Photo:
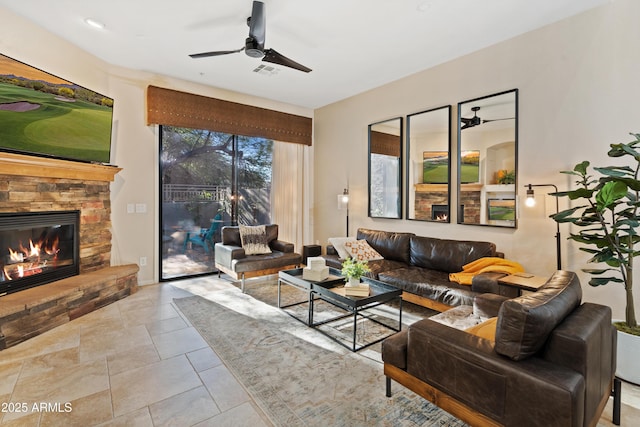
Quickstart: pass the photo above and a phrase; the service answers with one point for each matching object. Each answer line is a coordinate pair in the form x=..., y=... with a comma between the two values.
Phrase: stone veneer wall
x=91, y=198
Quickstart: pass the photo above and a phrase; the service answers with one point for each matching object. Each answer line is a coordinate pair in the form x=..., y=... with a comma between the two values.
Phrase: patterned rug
x=297, y=375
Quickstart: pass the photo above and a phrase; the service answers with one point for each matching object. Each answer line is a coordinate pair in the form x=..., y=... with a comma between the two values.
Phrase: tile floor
x=139, y=362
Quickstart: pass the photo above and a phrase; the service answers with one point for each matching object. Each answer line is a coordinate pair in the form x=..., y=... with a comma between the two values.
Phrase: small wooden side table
x=525, y=281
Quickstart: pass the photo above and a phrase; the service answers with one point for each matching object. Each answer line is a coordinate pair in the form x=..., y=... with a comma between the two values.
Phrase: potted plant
x=353, y=270
x=609, y=221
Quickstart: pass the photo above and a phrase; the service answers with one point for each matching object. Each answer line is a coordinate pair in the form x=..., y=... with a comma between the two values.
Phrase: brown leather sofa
x=420, y=266
x=550, y=361
x=230, y=257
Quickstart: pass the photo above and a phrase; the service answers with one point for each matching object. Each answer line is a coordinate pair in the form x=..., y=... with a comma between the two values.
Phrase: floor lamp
x=343, y=204
x=531, y=201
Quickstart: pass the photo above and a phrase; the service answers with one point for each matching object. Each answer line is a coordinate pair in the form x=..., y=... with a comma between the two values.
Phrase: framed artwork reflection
x=501, y=209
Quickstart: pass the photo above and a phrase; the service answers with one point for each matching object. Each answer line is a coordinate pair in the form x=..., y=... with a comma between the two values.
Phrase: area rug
x=298, y=376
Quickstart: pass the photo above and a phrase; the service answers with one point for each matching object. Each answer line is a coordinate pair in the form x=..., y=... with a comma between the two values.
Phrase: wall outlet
x=131, y=208
x=143, y=261
x=141, y=208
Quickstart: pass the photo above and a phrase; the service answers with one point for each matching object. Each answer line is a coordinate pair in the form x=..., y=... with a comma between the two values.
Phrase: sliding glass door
x=208, y=180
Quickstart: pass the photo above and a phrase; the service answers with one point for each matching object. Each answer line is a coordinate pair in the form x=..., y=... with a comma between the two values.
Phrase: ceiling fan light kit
x=254, y=44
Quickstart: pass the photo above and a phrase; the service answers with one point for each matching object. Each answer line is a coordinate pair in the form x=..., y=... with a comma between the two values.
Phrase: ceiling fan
x=475, y=120
x=254, y=44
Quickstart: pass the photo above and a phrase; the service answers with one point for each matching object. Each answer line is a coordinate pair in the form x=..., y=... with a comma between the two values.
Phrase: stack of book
x=362, y=290
x=316, y=269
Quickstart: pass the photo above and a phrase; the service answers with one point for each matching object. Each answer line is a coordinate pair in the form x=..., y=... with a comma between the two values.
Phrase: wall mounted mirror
x=429, y=165
x=385, y=169
x=487, y=160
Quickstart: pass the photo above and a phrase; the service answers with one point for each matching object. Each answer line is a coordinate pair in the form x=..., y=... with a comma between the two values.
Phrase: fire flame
x=31, y=256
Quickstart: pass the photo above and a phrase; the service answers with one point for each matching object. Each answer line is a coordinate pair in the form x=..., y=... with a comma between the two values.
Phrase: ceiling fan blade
x=215, y=53
x=257, y=25
x=495, y=120
x=274, y=57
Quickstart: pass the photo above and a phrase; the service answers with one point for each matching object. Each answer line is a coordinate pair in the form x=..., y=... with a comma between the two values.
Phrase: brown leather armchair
x=230, y=257
x=547, y=360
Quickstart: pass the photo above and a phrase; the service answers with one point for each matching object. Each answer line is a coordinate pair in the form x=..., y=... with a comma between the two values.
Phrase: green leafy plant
x=354, y=269
x=609, y=221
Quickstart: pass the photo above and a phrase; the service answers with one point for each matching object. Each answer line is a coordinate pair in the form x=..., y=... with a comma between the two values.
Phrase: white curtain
x=291, y=192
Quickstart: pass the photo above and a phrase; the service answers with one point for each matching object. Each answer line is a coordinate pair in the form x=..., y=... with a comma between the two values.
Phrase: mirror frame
x=399, y=174
x=511, y=193
x=410, y=161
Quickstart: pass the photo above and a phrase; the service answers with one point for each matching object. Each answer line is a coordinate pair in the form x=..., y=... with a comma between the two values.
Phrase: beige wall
x=135, y=145
x=578, y=83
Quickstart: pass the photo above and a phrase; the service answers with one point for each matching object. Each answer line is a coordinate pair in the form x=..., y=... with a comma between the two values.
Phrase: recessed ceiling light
x=95, y=24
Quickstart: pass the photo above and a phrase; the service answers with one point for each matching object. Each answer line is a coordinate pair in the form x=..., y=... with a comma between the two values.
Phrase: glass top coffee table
x=359, y=308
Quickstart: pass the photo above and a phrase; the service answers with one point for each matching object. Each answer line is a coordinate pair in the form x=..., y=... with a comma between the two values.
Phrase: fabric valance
x=174, y=108
x=384, y=143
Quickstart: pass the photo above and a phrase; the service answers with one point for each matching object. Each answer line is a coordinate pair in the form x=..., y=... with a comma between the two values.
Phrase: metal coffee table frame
x=294, y=278
x=329, y=291
x=380, y=294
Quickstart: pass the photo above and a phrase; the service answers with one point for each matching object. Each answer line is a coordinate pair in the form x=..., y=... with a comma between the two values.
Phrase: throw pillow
x=486, y=329
x=338, y=244
x=254, y=239
x=362, y=251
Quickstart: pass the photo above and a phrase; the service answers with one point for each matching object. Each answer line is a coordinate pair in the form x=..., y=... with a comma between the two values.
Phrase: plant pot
x=353, y=282
x=628, y=349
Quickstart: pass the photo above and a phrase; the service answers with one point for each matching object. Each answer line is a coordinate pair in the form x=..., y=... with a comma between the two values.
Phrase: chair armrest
x=467, y=368
x=225, y=254
x=279, y=245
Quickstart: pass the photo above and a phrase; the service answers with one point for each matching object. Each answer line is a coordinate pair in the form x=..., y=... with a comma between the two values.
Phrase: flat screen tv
x=435, y=167
x=469, y=166
x=44, y=115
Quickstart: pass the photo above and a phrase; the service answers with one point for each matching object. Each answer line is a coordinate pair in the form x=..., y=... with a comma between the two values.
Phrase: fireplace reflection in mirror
x=37, y=248
x=440, y=212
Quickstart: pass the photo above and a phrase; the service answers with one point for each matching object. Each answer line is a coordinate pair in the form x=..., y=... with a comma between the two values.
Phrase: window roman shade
x=174, y=108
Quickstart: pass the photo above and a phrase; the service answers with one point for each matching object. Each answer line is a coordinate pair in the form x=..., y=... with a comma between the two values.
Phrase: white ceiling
x=351, y=45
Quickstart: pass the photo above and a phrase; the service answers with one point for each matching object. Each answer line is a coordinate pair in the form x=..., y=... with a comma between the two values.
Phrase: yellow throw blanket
x=483, y=265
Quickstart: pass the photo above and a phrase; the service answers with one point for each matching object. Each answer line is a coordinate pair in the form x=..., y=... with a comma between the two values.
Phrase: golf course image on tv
x=435, y=167
x=45, y=115
x=469, y=166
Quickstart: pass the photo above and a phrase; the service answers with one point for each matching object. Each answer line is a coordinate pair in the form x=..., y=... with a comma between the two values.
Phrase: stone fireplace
x=30, y=186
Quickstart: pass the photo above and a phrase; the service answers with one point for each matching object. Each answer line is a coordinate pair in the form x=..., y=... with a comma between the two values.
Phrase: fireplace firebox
x=37, y=248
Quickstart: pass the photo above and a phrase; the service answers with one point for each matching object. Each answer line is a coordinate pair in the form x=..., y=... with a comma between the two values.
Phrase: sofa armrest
x=489, y=283
x=467, y=368
x=225, y=254
x=487, y=305
x=279, y=245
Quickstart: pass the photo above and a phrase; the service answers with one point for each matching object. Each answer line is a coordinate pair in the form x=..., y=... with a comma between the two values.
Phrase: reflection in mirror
x=429, y=165
x=385, y=171
x=487, y=160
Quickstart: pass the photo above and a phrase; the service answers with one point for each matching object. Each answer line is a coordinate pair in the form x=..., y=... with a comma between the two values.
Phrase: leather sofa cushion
x=391, y=245
x=431, y=284
x=447, y=255
x=524, y=323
